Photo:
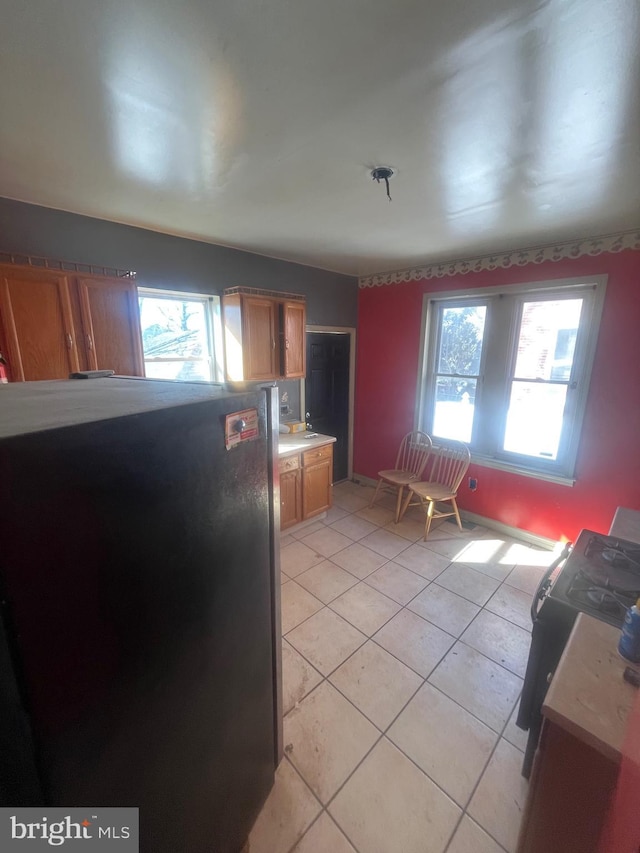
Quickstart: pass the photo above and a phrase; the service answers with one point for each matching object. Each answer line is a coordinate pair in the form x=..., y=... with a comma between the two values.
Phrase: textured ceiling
x=255, y=124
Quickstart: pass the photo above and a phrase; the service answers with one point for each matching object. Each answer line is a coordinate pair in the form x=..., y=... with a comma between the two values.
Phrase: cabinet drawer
x=289, y=463
x=310, y=457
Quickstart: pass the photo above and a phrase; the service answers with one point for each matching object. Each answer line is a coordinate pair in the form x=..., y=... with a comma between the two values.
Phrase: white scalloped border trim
x=504, y=260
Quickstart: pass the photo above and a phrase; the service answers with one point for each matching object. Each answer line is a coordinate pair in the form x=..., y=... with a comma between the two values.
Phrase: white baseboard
x=506, y=529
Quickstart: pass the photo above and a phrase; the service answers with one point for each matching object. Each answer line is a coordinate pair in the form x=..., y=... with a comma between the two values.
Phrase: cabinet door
x=290, y=503
x=259, y=338
x=571, y=791
x=293, y=325
x=290, y=491
x=37, y=327
x=317, y=480
x=316, y=490
x=111, y=325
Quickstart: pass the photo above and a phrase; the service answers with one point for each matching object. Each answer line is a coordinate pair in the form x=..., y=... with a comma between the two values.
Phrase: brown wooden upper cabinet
x=37, y=334
x=54, y=323
x=264, y=335
x=259, y=338
x=293, y=324
x=111, y=325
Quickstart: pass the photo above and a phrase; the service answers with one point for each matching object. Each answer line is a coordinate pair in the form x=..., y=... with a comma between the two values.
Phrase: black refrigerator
x=139, y=589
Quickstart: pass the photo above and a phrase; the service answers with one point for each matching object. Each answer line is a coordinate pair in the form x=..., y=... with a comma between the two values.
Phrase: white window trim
x=566, y=477
x=214, y=323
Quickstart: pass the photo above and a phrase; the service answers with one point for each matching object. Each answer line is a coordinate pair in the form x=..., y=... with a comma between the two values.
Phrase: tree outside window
x=177, y=334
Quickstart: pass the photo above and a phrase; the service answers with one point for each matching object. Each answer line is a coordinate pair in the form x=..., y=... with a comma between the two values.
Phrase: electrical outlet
x=473, y=483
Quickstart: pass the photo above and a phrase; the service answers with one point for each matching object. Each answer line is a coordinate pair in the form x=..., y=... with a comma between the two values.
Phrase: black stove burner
x=613, y=552
x=618, y=557
x=603, y=600
x=612, y=565
x=614, y=578
x=594, y=591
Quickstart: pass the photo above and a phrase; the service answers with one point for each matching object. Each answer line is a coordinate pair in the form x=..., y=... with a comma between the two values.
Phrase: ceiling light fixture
x=383, y=173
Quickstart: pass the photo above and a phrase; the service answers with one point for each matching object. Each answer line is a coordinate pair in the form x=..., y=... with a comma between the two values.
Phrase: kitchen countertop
x=296, y=442
x=626, y=524
x=588, y=697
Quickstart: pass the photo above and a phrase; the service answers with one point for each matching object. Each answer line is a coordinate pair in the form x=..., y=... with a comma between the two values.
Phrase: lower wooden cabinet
x=290, y=492
x=305, y=485
x=577, y=791
x=316, y=487
x=571, y=791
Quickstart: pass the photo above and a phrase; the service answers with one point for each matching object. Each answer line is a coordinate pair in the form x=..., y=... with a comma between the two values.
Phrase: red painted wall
x=608, y=465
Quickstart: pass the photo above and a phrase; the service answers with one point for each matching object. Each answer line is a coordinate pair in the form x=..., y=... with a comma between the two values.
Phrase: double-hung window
x=507, y=372
x=181, y=335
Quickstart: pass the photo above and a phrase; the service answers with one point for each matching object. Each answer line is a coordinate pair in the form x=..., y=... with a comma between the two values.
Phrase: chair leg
x=429, y=518
x=455, y=509
x=399, y=503
x=375, y=494
x=406, y=503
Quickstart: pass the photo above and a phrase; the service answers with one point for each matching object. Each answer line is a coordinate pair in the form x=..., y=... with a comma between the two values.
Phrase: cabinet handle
x=89, y=342
x=69, y=342
x=273, y=343
x=286, y=344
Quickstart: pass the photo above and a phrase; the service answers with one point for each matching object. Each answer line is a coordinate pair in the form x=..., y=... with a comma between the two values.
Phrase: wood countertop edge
x=588, y=697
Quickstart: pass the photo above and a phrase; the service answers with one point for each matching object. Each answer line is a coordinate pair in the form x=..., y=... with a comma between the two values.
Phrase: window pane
x=519, y=394
x=547, y=340
x=185, y=371
x=461, y=340
x=173, y=328
x=534, y=419
x=454, y=407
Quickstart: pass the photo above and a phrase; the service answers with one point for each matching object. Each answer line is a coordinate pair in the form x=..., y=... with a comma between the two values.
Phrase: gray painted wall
x=172, y=262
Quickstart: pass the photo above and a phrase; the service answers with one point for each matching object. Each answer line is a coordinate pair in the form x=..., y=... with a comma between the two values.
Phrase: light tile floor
x=402, y=668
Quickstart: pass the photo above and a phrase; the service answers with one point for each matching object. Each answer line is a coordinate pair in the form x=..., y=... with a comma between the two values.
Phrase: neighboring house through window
x=507, y=371
x=181, y=335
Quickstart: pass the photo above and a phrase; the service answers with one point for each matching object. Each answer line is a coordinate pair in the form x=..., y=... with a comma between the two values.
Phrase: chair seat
x=399, y=478
x=449, y=463
x=431, y=491
x=412, y=457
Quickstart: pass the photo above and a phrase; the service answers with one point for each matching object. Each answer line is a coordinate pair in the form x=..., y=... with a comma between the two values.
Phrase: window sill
x=500, y=465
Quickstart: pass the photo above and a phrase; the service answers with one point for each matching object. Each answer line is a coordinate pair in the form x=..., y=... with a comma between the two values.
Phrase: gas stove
x=601, y=577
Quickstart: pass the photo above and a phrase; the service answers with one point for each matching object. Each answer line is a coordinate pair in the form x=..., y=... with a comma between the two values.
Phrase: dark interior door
x=327, y=393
